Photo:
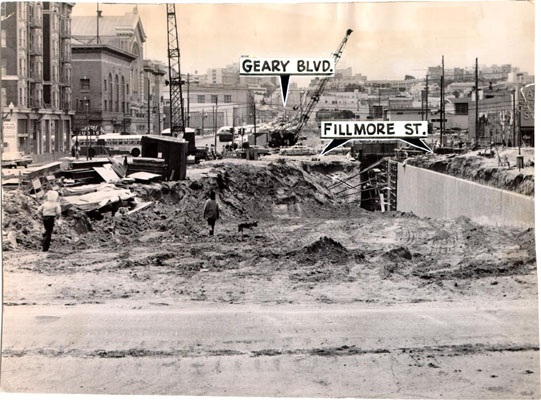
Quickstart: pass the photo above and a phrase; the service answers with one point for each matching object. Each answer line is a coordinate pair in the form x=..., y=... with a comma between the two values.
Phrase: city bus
x=109, y=143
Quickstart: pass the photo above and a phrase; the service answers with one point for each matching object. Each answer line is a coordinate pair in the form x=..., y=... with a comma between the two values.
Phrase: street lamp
x=10, y=112
x=88, y=140
x=203, y=116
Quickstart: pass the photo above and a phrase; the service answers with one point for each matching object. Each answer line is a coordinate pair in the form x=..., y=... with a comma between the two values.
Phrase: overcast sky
x=389, y=39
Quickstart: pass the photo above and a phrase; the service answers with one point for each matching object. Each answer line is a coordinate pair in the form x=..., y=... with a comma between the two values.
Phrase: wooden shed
x=173, y=150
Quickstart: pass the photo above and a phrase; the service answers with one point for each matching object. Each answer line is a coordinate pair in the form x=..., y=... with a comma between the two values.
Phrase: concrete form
x=431, y=194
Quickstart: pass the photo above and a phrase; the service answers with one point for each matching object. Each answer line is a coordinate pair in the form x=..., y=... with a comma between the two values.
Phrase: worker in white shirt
x=48, y=211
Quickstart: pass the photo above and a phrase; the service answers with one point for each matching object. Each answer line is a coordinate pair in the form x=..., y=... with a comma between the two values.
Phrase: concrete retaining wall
x=431, y=194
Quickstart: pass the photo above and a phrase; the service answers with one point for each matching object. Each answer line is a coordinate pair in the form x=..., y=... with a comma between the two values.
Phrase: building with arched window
x=109, y=74
x=36, y=77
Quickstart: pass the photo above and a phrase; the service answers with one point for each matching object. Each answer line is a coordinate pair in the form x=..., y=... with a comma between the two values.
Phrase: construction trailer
x=173, y=150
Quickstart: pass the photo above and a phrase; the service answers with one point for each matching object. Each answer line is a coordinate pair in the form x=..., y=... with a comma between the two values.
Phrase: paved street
x=413, y=351
x=208, y=139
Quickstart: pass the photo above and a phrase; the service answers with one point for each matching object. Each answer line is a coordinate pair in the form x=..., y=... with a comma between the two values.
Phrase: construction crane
x=176, y=115
x=288, y=137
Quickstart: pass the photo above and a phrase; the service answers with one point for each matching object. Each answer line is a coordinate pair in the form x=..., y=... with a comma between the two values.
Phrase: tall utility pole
x=426, y=99
x=158, y=105
x=215, y=124
x=476, y=101
x=148, y=106
x=255, y=125
x=443, y=89
x=514, y=117
x=176, y=115
x=519, y=128
x=98, y=16
x=441, y=111
x=202, y=122
x=188, y=100
x=88, y=139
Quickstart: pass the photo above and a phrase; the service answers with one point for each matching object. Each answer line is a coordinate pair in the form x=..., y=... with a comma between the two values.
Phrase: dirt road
x=414, y=351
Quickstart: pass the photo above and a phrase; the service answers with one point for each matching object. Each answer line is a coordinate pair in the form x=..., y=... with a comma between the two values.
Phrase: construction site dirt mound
x=325, y=245
x=480, y=169
x=398, y=254
x=324, y=249
x=304, y=232
x=244, y=192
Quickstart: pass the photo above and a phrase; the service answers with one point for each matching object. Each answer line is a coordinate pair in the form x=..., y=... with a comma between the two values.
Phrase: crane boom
x=176, y=116
x=314, y=99
x=290, y=138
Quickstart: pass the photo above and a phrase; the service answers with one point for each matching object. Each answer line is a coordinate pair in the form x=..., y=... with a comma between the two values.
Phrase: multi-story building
x=404, y=114
x=109, y=73
x=495, y=119
x=235, y=106
x=457, y=115
x=36, y=76
x=155, y=73
x=401, y=85
x=223, y=76
x=400, y=102
x=485, y=73
x=102, y=89
x=343, y=80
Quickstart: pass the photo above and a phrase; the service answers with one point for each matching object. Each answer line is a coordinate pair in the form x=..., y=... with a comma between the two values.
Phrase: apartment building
x=36, y=77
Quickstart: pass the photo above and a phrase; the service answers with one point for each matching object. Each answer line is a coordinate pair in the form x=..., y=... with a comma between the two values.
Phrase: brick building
x=101, y=87
x=36, y=76
x=109, y=73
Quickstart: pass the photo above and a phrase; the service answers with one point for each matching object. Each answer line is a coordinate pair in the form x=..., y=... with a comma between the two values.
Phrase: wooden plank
x=107, y=174
x=144, y=176
x=47, y=169
x=139, y=207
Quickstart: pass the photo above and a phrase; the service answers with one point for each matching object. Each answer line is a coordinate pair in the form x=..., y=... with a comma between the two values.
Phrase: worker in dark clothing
x=48, y=211
x=211, y=212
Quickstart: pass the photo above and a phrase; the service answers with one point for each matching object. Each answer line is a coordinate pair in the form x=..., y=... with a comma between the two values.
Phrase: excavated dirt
x=475, y=167
x=318, y=291
x=308, y=246
x=245, y=193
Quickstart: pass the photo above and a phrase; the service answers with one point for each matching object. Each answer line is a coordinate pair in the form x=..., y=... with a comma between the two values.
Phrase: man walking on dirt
x=48, y=211
x=211, y=211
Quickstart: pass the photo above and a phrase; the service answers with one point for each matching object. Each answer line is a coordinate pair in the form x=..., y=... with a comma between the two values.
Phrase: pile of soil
x=323, y=260
x=482, y=255
x=244, y=192
x=326, y=248
x=398, y=254
x=20, y=217
x=479, y=169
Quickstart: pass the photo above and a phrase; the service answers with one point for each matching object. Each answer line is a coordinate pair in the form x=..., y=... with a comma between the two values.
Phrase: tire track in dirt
x=338, y=351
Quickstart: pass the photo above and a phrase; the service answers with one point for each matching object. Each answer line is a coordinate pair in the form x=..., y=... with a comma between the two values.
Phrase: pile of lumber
x=147, y=164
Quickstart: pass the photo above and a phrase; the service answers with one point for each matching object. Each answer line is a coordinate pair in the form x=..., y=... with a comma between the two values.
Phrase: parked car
x=297, y=150
x=262, y=151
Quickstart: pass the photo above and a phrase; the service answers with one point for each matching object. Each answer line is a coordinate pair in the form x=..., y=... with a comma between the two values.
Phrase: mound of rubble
x=245, y=192
x=478, y=168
